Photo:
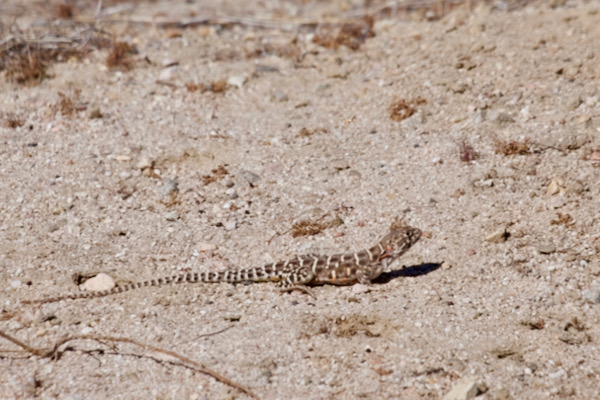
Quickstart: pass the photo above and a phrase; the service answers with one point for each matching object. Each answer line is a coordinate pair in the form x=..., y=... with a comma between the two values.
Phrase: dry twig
x=54, y=352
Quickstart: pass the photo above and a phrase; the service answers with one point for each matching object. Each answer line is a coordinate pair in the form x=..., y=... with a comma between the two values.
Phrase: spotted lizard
x=294, y=274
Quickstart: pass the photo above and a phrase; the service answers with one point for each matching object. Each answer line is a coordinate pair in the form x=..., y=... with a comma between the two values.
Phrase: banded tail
x=262, y=274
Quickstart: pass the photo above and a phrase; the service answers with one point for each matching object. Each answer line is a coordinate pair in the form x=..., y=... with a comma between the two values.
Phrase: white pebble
x=237, y=81
x=204, y=247
x=86, y=330
x=359, y=288
x=230, y=225
x=15, y=284
x=168, y=74
x=99, y=282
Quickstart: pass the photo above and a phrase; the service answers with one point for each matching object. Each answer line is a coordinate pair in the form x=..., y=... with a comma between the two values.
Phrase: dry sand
x=498, y=163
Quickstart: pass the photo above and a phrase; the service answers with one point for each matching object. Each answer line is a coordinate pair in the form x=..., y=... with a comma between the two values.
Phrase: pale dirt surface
x=516, y=315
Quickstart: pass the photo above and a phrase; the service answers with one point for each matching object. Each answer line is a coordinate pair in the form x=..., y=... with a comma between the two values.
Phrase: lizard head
x=398, y=241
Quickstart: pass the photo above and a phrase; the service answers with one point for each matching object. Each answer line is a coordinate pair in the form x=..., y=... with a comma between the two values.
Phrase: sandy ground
x=498, y=162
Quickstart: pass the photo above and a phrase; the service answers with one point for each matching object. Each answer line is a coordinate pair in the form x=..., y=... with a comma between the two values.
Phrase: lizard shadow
x=413, y=270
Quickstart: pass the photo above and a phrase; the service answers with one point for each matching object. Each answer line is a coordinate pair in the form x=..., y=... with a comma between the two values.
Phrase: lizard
x=293, y=274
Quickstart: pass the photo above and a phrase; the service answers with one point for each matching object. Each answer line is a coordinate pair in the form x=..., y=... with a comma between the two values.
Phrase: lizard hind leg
x=297, y=279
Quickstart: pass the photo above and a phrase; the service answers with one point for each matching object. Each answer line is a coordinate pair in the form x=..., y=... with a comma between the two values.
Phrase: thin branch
x=53, y=352
x=214, y=333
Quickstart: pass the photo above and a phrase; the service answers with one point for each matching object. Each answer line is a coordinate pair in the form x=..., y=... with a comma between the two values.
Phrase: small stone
x=446, y=265
x=359, y=288
x=248, y=176
x=584, y=120
x=484, y=183
x=497, y=236
x=499, y=116
x=460, y=87
x=592, y=296
x=125, y=175
x=322, y=86
x=143, y=163
x=98, y=283
x=556, y=3
x=546, y=248
x=591, y=101
x=553, y=188
x=86, y=330
x=501, y=394
x=465, y=389
x=169, y=62
x=236, y=80
x=168, y=74
x=122, y=157
x=170, y=187
x=14, y=283
x=172, y=216
x=232, y=316
x=203, y=247
x=574, y=102
x=230, y=225
x=280, y=96
x=340, y=164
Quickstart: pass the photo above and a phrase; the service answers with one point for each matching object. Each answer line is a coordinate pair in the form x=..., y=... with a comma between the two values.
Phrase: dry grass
x=466, y=152
x=64, y=11
x=120, y=56
x=402, y=109
x=307, y=228
x=219, y=86
x=351, y=34
x=216, y=174
x=13, y=122
x=513, y=147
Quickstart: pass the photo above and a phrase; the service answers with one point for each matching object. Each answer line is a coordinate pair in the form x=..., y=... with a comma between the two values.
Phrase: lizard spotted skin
x=295, y=273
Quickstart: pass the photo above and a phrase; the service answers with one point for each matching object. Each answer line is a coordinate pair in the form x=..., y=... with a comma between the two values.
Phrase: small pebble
x=553, y=188
x=169, y=62
x=125, y=175
x=248, y=176
x=172, y=216
x=86, y=330
x=592, y=296
x=122, y=157
x=169, y=187
x=143, y=163
x=339, y=164
x=359, y=288
x=546, y=248
x=232, y=316
x=97, y=283
x=281, y=96
x=498, y=236
x=595, y=156
x=204, y=247
x=465, y=389
x=484, y=183
x=236, y=80
x=230, y=225
x=15, y=284
x=168, y=74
